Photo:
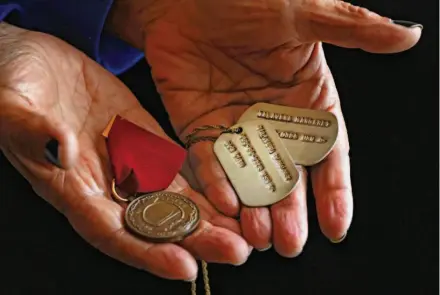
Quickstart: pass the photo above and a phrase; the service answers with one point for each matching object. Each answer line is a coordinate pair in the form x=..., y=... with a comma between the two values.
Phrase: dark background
x=391, y=108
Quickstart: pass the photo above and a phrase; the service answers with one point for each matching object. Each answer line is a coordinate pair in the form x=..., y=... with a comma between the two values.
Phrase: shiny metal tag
x=309, y=135
x=257, y=163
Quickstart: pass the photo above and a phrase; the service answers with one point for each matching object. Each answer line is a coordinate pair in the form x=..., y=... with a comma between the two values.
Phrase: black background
x=391, y=108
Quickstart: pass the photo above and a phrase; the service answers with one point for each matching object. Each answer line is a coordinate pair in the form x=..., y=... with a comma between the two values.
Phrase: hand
x=213, y=59
x=49, y=90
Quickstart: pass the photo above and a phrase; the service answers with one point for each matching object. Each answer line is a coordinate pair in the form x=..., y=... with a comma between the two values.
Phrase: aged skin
x=48, y=89
x=213, y=59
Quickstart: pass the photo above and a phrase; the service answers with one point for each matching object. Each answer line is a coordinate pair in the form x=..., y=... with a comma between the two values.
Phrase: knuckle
x=190, y=243
x=256, y=223
x=353, y=9
x=324, y=97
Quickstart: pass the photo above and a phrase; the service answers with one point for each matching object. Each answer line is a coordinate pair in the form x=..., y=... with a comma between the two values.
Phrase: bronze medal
x=162, y=217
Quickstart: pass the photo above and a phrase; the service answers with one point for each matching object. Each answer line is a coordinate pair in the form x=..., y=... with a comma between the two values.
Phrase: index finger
x=100, y=222
x=212, y=179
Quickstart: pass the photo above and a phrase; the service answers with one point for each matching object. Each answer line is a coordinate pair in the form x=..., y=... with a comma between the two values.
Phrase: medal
x=309, y=135
x=257, y=163
x=162, y=217
x=144, y=165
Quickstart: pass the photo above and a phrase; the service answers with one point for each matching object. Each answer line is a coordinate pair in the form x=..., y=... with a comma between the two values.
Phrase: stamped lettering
x=311, y=121
x=268, y=181
x=238, y=158
x=236, y=155
x=269, y=175
x=256, y=161
x=308, y=135
x=301, y=136
x=230, y=146
x=274, y=116
x=282, y=167
x=262, y=133
x=293, y=119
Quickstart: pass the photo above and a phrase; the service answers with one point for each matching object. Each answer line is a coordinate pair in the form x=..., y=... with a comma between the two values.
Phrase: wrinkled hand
x=50, y=90
x=213, y=59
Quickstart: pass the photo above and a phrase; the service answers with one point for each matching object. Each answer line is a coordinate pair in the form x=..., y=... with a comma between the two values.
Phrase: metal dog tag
x=309, y=135
x=257, y=163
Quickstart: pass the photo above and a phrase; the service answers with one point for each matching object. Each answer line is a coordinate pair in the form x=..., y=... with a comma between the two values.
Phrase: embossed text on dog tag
x=257, y=163
x=309, y=135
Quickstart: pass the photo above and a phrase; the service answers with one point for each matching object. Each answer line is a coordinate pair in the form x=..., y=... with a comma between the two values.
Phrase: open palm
x=51, y=90
x=211, y=60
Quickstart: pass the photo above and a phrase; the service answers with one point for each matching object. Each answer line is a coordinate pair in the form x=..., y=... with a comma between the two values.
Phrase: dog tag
x=257, y=163
x=309, y=135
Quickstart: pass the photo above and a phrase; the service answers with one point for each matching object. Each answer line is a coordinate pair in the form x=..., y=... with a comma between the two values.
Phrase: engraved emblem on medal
x=162, y=216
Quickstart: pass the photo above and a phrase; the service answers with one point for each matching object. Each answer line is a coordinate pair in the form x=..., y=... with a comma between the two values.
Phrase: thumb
x=342, y=24
x=37, y=137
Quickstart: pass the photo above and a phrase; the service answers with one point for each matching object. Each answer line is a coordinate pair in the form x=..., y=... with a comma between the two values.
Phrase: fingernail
x=293, y=254
x=241, y=262
x=51, y=152
x=408, y=24
x=265, y=249
x=339, y=240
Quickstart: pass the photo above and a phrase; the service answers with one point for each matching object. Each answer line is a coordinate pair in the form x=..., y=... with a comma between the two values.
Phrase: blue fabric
x=78, y=22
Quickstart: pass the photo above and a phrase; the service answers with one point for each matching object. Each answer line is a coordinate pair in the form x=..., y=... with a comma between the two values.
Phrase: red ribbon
x=141, y=160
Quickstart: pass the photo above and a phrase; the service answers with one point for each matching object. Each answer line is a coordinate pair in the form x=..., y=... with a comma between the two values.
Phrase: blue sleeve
x=78, y=22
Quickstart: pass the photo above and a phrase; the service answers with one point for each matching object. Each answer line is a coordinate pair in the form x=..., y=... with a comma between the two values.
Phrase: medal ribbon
x=142, y=162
